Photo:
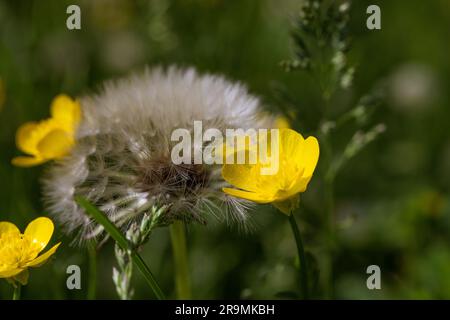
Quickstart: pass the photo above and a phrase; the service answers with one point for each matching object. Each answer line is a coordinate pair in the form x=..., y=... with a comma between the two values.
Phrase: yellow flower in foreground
x=19, y=251
x=51, y=138
x=297, y=160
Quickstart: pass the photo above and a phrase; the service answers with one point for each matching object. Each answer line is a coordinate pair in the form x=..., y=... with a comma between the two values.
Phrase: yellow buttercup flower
x=297, y=160
x=51, y=138
x=19, y=251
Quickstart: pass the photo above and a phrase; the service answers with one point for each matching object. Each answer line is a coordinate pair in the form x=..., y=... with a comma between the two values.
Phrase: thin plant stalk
x=92, y=281
x=301, y=256
x=17, y=291
x=179, y=247
x=115, y=233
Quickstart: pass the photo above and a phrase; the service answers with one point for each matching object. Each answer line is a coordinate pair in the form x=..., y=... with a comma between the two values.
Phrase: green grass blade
x=117, y=235
x=113, y=231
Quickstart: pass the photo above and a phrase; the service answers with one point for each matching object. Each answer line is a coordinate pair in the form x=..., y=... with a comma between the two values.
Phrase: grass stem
x=115, y=233
x=181, y=265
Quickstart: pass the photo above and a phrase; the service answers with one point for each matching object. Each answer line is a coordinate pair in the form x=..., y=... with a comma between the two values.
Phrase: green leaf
x=98, y=216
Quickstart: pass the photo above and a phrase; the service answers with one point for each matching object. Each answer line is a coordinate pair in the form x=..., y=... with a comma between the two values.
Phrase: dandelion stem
x=17, y=290
x=115, y=233
x=92, y=285
x=301, y=256
x=182, y=280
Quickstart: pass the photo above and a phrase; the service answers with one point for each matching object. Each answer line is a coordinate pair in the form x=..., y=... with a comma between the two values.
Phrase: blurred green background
x=392, y=199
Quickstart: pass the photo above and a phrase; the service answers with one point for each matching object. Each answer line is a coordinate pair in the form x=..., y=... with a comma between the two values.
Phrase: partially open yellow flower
x=297, y=160
x=51, y=138
x=19, y=251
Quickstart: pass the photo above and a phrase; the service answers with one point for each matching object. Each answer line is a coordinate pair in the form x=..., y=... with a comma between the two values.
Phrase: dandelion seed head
x=122, y=159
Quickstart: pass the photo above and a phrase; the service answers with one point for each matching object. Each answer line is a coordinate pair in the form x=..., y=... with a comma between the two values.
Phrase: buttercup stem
x=115, y=233
x=301, y=256
x=17, y=290
x=182, y=279
x=92, y=285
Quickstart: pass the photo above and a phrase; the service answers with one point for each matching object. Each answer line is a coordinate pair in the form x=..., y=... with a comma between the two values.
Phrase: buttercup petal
x=242, y=176
x=291, y=144
x=66, y=111
x=27, y=161
x=300, y=185
x=24, y=138
x=43, y=258
x=40, y=230
x=10, y=273
x=310, y=156
x=8, y=227
x=55, y=144
x=252, y=196
x=241, y=145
